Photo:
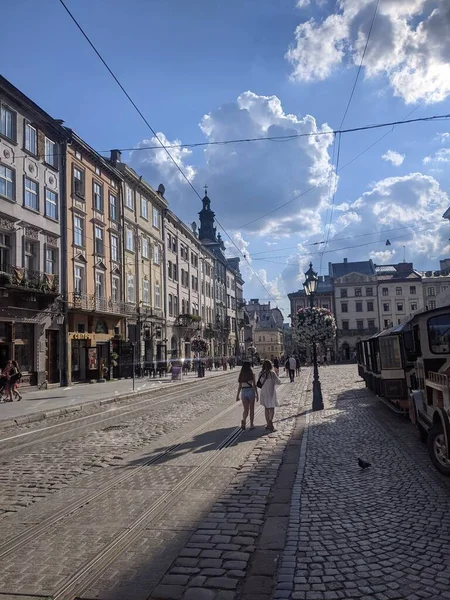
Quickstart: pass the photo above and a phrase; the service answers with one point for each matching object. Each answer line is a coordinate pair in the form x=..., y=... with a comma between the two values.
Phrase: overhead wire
x=157, y=138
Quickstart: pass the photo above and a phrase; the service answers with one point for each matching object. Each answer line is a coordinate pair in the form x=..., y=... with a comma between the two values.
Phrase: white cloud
x=382, y=256
x=443, y=137
x=441, y=156
x=394, y=157
x=409, y=45
x=303, y=3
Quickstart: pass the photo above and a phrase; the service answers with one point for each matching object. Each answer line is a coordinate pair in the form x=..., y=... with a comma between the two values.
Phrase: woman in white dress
x=267, y=393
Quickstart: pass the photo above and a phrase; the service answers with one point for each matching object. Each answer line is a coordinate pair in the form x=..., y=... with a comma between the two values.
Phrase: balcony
x=28, y=280
x=360, y=332
x=93, y=303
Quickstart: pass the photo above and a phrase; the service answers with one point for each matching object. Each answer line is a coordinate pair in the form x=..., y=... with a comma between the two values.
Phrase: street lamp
x=310, y=286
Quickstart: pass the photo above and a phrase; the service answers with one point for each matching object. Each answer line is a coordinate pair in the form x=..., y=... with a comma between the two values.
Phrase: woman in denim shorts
x=247, y=393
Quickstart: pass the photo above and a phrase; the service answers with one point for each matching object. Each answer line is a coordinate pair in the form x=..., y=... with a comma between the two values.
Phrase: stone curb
x=56, y=412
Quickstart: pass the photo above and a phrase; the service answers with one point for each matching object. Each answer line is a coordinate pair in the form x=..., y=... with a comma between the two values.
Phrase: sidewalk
x=58, y=399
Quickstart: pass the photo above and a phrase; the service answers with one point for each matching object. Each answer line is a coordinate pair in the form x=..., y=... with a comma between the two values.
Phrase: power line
x=156, y=135
x=332, y=202
x=360, y=64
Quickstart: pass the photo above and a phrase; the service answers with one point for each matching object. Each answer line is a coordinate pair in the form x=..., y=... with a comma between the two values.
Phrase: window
x=78, y=276
x=156, y=254
x=369, y=291
x=358, y=292
x=78, y=230
x=129, y=197
x=157, y=295
x=113, y=212
x=145, y=248
x=387, y=323
x=31, y=255
x=398, y=291
x=99, y=245
x=144, y=207
x=169, y=269
x=385, y=291
x=98, y=196
x=30, y=139
x=146, y=291
x=78, y=182
x=386, y=307
x=412, y=290
x=114, y=248
x=170, y=305
x=370, y=307
x=343, y=293
x=400, y=306
x=99, y=284
x=115, y=289
x=130, y=287
x=8, y=122
x=155, y=218
x=130, y=240
x=5, y=248
x=431, y=291
x=391, y=357
x=359, y=307
x=51, y=204
x=413, y=306
x=325, y=305
x=431, y=304
x=344, y=306
x=51, y=157
x=6, y=182
x=50, y=261
x=31, y=194
x=371, y=324
x=175, y=306
x=360, y=325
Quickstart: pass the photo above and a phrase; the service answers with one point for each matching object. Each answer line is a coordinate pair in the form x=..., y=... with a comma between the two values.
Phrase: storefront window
x=24, y=346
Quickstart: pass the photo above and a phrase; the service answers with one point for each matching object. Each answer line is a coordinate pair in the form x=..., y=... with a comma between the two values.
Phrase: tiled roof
x=365, y=267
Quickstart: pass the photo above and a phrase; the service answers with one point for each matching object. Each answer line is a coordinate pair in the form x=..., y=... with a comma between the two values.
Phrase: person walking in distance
x=276, y=366
x=297, y=366
x=15, y=376
x=267, y=383
x=292, y=366
x=247, y=393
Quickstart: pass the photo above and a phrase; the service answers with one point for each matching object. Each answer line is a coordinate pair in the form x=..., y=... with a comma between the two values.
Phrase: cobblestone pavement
x=382, y=533
x=30, y=476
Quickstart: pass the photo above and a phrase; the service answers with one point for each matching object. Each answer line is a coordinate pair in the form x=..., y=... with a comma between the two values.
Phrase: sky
x=218, y=70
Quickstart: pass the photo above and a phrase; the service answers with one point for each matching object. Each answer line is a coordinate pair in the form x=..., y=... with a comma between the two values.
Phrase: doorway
x=79, y=360
x=5, y=354
x=51, y=355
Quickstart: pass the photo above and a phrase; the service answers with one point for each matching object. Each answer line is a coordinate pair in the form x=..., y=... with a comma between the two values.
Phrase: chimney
x=345, y=260
x=116, y=157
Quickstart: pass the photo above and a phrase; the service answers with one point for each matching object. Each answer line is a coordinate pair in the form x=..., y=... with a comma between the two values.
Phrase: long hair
x=267, y=366
x=246, y=373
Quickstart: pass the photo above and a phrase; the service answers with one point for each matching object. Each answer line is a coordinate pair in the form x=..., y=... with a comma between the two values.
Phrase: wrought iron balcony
x=26, y=279
x=94, y=303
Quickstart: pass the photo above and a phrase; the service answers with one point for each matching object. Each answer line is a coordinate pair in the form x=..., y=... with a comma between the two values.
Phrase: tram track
x=84, y=424
x=41, y=528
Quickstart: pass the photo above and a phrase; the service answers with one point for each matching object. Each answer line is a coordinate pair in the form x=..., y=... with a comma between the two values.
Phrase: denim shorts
x=248, y=394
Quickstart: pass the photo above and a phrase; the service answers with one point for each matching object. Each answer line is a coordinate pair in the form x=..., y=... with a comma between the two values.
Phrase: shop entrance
x=79, y=360
x=51, y=355
x=5, y=354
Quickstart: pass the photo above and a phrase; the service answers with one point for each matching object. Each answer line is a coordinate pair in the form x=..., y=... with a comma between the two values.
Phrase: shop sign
x=81, y=336
x=176, y=373
x=92, y=359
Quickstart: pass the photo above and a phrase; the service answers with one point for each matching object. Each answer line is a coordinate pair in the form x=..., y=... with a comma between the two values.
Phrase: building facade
x=97, y=311
x=399, y=293
x=144, y=281
x=32, y=205
x=267, y=329
x=355, y=304
x=436, y=286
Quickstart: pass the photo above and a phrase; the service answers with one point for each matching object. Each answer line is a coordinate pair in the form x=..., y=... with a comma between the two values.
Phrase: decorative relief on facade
x=52, y=241
x=7, y=154
x=354, y=278
x=6, y=224
x=32, y=233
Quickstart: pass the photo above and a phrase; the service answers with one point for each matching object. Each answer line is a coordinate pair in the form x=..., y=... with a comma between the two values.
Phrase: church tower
x=207, y=231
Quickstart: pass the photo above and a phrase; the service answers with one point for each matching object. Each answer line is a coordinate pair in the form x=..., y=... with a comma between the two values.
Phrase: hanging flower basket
x=199, y=346
x=315, y=325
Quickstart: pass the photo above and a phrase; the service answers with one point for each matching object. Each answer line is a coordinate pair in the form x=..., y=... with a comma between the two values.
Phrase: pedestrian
x=276, y=366
x=247, y=393
x=292, y=365
x=4, y=379
x=297, y=366
x=325, y=360
x=15, y=376
x=268, y=395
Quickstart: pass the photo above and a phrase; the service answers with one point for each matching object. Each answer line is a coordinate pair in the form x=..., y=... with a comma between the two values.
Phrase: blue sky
x=183, y=59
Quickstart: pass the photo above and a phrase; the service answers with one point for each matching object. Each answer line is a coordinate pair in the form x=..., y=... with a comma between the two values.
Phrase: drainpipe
x=164, y=277
x=64, y=259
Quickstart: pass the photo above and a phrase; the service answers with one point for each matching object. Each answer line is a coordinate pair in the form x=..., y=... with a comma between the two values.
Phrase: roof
x=399, y=271
x=365, y=267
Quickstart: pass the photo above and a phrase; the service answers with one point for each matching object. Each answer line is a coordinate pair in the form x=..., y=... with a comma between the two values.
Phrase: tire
x=439, y=454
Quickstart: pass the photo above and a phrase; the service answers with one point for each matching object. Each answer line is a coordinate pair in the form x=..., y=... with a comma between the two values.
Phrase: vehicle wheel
x=437, y=449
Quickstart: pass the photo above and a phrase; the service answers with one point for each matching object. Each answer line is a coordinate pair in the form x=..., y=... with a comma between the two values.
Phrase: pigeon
x=363, y=464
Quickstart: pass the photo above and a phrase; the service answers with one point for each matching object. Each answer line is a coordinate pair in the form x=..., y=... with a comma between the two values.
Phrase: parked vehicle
x=408, y=367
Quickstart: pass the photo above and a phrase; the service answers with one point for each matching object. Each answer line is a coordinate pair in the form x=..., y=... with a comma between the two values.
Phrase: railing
x=438, y=378
x=92, y=302
x=34, y=281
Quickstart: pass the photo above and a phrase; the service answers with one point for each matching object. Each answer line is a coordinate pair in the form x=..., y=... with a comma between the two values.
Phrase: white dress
x=268, y=393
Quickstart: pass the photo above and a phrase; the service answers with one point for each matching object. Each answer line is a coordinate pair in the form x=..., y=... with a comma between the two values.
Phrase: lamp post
x=310, y=286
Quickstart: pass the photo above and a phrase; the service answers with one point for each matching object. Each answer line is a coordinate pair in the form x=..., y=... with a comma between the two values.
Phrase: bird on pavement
x=363, y=464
